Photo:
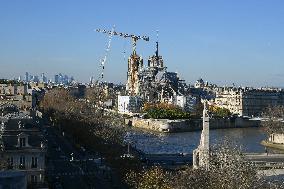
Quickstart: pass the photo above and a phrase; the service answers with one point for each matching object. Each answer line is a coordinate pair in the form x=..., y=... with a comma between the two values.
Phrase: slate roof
x=10, y=130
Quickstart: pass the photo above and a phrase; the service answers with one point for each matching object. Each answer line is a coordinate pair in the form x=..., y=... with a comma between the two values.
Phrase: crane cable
x=124, y=50
x=103, y=61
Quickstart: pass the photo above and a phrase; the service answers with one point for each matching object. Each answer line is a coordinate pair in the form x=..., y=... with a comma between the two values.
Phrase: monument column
x=201, y=154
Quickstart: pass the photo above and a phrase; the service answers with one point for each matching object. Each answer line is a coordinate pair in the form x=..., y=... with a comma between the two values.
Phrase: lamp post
x=72, y=158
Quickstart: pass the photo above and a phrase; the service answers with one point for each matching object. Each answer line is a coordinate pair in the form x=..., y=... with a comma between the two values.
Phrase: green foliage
x=219, y=112
x=152, y=178
x=164, y=111
x=167, y=114
x=198, y=109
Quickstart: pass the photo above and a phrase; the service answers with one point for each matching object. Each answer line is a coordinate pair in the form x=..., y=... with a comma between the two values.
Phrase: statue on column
x=201, y=153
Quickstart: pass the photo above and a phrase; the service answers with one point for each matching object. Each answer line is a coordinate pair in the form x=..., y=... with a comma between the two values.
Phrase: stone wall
x=184, y=125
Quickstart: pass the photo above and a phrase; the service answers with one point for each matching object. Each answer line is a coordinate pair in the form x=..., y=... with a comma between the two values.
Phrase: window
x=34, y=162
x=22, y=162
x=33, y=178
x=10, y=163
x=22, y=142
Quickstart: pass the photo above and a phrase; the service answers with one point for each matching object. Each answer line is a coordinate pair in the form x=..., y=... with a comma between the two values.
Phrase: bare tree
x=3, y=161
x=153, y=178
x=228, y=169
x=273, y=122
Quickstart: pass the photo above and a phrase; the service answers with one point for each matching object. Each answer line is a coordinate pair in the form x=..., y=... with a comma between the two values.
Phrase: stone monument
x=201, y=154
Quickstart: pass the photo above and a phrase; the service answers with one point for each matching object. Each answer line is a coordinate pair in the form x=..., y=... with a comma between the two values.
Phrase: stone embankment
x=275, y=140
x=270, y=144
x=185, y=125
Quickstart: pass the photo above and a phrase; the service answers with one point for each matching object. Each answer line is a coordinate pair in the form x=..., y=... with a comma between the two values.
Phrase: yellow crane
x=134, y=38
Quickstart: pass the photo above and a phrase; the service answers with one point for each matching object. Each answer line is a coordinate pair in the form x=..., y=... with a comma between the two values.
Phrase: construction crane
x=134, y=38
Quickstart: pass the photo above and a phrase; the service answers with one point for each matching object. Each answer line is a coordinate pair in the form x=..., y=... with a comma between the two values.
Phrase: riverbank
x=273, y=145
x=187, y=125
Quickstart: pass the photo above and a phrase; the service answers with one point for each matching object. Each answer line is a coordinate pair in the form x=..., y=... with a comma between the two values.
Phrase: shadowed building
x=22, y=145
x=13, y=180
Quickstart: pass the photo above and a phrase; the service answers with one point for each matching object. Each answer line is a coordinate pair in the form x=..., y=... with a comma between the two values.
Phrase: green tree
x=165, y=111
x=219, y=112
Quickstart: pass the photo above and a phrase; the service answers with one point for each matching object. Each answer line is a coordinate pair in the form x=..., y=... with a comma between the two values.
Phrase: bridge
x=268, y=159
x=268, y=164
x=168, y=159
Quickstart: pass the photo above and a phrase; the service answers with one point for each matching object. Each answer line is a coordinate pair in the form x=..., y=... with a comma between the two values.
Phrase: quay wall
x=185, y=125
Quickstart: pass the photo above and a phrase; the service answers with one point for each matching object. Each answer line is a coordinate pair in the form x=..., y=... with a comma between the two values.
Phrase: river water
x=248, y=139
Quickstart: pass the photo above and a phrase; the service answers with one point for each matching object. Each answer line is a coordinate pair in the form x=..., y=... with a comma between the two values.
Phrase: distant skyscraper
x=60, y=78
x=27, y=77
x=71, y=79
x=91, y=79
x=36, y=79
x=65, y=79
x=56, y=79
x=43, y=79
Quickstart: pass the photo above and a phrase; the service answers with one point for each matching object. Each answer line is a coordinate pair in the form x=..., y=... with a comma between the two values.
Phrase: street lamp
x=72, y=158
x=127, y=140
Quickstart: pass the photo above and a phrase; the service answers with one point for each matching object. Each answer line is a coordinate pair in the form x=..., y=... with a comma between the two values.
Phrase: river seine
x=248, y=139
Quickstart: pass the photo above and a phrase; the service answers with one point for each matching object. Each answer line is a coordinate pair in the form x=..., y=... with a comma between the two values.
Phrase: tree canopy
x=164, y=111
x=228, y=169
x=273, y=122
x=89, y=125
x=219, y=112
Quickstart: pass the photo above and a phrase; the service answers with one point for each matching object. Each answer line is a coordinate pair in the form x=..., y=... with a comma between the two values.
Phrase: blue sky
x=222, y=41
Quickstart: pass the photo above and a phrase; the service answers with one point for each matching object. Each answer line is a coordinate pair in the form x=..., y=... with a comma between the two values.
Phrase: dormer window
x=22, y=142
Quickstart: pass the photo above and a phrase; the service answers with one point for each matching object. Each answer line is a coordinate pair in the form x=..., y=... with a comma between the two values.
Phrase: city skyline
x=223, y=42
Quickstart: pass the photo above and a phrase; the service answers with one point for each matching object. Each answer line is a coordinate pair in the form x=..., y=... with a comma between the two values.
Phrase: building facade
x=187, y=103
x=248, y=101
x=23, y=146
x=129, y=104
